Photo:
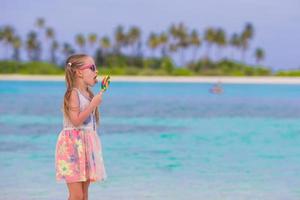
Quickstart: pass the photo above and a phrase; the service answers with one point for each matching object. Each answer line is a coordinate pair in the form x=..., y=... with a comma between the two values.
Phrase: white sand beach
x=179, y=79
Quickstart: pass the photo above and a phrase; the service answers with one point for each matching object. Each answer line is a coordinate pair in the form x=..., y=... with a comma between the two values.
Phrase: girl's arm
x=77, y=117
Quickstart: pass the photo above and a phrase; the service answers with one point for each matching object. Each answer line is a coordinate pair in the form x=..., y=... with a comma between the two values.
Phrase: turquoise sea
x=160, y=141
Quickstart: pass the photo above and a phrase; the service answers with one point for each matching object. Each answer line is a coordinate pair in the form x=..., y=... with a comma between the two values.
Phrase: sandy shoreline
x=178, y=79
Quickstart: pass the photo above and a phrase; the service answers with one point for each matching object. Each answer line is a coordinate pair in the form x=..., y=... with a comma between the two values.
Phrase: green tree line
x=124, y=51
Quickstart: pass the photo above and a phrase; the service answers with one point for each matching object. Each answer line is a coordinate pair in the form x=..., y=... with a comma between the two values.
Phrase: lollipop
x=105, y=83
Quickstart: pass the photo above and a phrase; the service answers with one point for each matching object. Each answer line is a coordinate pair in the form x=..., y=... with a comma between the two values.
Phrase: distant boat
x=216, y=89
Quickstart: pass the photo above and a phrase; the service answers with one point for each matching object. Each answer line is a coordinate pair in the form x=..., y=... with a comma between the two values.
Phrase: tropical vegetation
x=178, y=50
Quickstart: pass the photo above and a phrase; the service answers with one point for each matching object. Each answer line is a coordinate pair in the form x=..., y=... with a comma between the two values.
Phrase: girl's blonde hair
x=72, y=63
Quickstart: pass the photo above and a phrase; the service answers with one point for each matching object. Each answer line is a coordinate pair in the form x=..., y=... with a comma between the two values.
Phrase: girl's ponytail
x=70, y=79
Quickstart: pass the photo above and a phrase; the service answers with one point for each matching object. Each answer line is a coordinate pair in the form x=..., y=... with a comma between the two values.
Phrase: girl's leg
x=75, y=191
x=85, y=188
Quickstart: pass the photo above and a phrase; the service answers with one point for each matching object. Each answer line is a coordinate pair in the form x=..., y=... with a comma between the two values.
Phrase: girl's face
x=88, y=72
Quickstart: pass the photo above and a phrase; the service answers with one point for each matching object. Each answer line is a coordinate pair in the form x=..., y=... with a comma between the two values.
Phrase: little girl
x=78, y=158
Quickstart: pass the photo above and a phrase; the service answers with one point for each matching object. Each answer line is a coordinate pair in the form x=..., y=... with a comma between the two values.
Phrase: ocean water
x=160, y=141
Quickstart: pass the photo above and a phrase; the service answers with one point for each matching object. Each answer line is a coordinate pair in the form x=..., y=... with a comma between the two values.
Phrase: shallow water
x=160, y=141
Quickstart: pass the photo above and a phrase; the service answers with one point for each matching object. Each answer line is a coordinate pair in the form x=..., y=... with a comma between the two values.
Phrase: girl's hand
x=97, y=99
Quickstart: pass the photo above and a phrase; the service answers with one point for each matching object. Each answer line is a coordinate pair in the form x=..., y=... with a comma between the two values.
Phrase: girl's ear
x=79, y=73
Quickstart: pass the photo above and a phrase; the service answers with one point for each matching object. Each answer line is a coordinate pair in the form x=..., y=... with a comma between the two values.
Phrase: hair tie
x=69, y=64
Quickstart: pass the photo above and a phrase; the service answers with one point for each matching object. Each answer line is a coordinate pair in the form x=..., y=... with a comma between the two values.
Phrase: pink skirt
x=78, y=156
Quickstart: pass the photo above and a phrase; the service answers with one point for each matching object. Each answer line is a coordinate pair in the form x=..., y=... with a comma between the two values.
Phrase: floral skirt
x=78, y=156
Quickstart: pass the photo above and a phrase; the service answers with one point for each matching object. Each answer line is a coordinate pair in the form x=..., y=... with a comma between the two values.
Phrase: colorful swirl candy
x=105, y=83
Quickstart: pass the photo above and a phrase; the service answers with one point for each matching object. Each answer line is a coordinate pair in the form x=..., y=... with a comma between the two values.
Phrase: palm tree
x=153, y=42
x=183, y=45
x=139, y=49
x=246, y=35
x=1, y=35
x=195, y=42
x=235, y=42
x=220, y=39
x=33, y=46
x=53, y=49
x=134, y=35
x=67, y=50
x=17, y=43
x=259, y=55
x=163, y=42
x=8, y=37
x=80, y=41
x=173, y=48
x=50, y=35
x=249, y=30
x=105, y=44
x=180, y=38
x=120, y=39
x=92, y=38
x=40, y=23
x=176, y=31
x=209, y=37
x=244, y=45
x=173, y=34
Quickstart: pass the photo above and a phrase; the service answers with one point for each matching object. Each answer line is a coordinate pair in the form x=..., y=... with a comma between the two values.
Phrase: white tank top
x=89, y=123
